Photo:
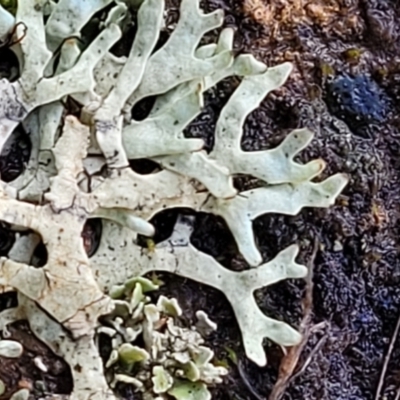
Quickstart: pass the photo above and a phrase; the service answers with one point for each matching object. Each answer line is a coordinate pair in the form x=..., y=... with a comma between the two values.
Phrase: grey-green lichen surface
x=172, y=360
x=63, y=184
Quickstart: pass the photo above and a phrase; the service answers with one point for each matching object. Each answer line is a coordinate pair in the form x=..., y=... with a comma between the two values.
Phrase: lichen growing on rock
x=64, y=183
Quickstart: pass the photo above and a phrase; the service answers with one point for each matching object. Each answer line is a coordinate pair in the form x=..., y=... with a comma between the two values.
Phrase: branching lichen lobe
x=87, y=174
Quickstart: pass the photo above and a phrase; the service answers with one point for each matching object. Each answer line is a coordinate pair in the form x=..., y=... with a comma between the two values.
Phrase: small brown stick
x=386, y=362
x=290, y=360
x=313, y=352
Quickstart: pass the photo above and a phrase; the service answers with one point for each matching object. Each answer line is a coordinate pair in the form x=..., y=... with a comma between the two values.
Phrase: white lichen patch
x=79, y=169
x=178, y=256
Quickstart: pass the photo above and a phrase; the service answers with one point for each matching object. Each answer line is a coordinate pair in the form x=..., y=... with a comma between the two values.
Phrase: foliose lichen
x=79, y=169
x=173, y=357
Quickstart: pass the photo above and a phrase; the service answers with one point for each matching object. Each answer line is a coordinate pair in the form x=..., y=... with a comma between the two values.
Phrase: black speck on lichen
x=357, y=100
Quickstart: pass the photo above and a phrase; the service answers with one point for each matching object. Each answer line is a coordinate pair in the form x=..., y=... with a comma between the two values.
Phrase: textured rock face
x=64, y=182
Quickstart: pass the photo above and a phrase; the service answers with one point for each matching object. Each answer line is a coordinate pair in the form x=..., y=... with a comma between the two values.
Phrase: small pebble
x=22, y=394
x=2, y=387
x=41, y=386
x=10, y=349
x=337, y=246
x=39, y=364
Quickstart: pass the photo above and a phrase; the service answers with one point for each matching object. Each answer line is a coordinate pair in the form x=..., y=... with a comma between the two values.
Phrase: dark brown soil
x=346, y=88
x=23, y=373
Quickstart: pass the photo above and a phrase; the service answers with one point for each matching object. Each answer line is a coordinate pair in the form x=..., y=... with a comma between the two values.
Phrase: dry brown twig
x=386, y=363
x=291, y=358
